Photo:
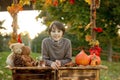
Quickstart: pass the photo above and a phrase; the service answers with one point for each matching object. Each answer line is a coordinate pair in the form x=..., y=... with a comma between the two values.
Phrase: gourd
x=82, y=58
x=94, y=60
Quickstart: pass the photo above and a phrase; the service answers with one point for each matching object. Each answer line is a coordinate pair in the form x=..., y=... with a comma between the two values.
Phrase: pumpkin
x=94, y=60
x=82, y=58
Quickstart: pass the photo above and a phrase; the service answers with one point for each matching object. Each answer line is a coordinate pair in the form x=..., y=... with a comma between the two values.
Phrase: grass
x=112, y=73
x=5, y=74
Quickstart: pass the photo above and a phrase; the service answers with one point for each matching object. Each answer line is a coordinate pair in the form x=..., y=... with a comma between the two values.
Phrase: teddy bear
x=20, y=56
x=16, y=48
x=24, y=59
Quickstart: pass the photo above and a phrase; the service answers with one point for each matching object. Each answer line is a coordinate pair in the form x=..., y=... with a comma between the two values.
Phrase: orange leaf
x=48, y=2
x=88, y=37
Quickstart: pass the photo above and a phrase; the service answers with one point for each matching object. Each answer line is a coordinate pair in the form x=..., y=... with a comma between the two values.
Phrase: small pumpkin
x=82, y=58
x=94, y=60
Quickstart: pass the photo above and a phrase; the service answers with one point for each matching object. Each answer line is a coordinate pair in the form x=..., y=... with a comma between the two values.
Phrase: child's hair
x=58, y=25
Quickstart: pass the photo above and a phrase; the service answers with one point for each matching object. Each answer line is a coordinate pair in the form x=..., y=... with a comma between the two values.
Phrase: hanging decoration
x=14, y=9
x=19, y=38
x=98, y=29
x=91, y=38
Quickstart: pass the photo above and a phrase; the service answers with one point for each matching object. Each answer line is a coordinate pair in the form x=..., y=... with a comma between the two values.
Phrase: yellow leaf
x=88, y=26
x=27, y=2
x=62, y=1
x=88, y=1
x=21, y=2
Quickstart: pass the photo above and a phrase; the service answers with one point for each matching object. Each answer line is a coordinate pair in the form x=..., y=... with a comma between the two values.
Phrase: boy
x=56, y=50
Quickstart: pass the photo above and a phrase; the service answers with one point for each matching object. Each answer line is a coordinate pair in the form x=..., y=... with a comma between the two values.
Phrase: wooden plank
x=46, y=68
x=26, y=74
x=82, y=74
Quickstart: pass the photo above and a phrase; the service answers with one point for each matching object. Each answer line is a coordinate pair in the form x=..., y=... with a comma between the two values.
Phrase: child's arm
x=68, y=54
x=45, y=55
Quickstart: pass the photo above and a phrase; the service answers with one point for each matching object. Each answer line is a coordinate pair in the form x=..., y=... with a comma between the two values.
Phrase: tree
x=36, y=42
x=76, y=15
x=109, y=15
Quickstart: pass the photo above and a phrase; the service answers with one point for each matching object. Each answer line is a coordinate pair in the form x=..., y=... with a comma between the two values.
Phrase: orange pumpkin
x=94, y=60
x=82, y=58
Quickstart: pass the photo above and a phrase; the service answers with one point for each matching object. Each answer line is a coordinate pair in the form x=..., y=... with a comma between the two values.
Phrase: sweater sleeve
x=45, y=55
x=68, y=54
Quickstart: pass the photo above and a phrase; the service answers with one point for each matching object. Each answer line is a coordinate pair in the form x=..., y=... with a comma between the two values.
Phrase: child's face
x=56, y=34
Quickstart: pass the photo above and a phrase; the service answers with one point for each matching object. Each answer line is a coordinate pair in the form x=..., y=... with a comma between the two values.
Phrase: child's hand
x=54, y=65
x=58, y=63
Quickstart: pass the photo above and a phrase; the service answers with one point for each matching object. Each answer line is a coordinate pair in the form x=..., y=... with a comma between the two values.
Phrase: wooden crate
x=63, y=73
x=33, y=73
x=78, y=73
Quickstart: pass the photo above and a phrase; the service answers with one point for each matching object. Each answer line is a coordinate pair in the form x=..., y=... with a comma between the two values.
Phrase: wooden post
x=93, y=18
x=14, y=25
x=15, y=21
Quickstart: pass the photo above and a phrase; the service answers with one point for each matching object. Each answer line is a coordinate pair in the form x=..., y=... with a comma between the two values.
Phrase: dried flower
x=99, y=30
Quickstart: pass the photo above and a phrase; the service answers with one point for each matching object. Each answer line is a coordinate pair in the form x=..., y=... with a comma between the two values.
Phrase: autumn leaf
x=14, y=8
x=62, y=1
x=88, y=1
x=55, y=3
x=24, y=2
x=88, y=37
x=72, y=1
x=88, y=26
x=48, y=2
x=27, y=2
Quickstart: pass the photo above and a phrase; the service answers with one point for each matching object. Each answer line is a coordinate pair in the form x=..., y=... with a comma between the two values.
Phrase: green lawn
x=113, y=72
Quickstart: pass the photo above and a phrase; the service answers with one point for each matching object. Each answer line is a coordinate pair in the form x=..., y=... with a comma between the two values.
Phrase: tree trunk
x=110, y=51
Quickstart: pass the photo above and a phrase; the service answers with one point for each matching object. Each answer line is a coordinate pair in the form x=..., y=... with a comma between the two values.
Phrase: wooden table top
x=46, y=67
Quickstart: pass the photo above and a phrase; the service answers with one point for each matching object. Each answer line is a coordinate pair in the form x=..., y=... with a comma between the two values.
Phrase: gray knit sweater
x=60, y=50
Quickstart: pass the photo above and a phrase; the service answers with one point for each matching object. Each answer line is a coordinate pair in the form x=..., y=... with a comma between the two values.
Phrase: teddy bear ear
x=12, y=45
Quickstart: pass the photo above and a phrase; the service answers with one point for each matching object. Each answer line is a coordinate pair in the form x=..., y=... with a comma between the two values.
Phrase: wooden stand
x=63, y=73
x=80, y=73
